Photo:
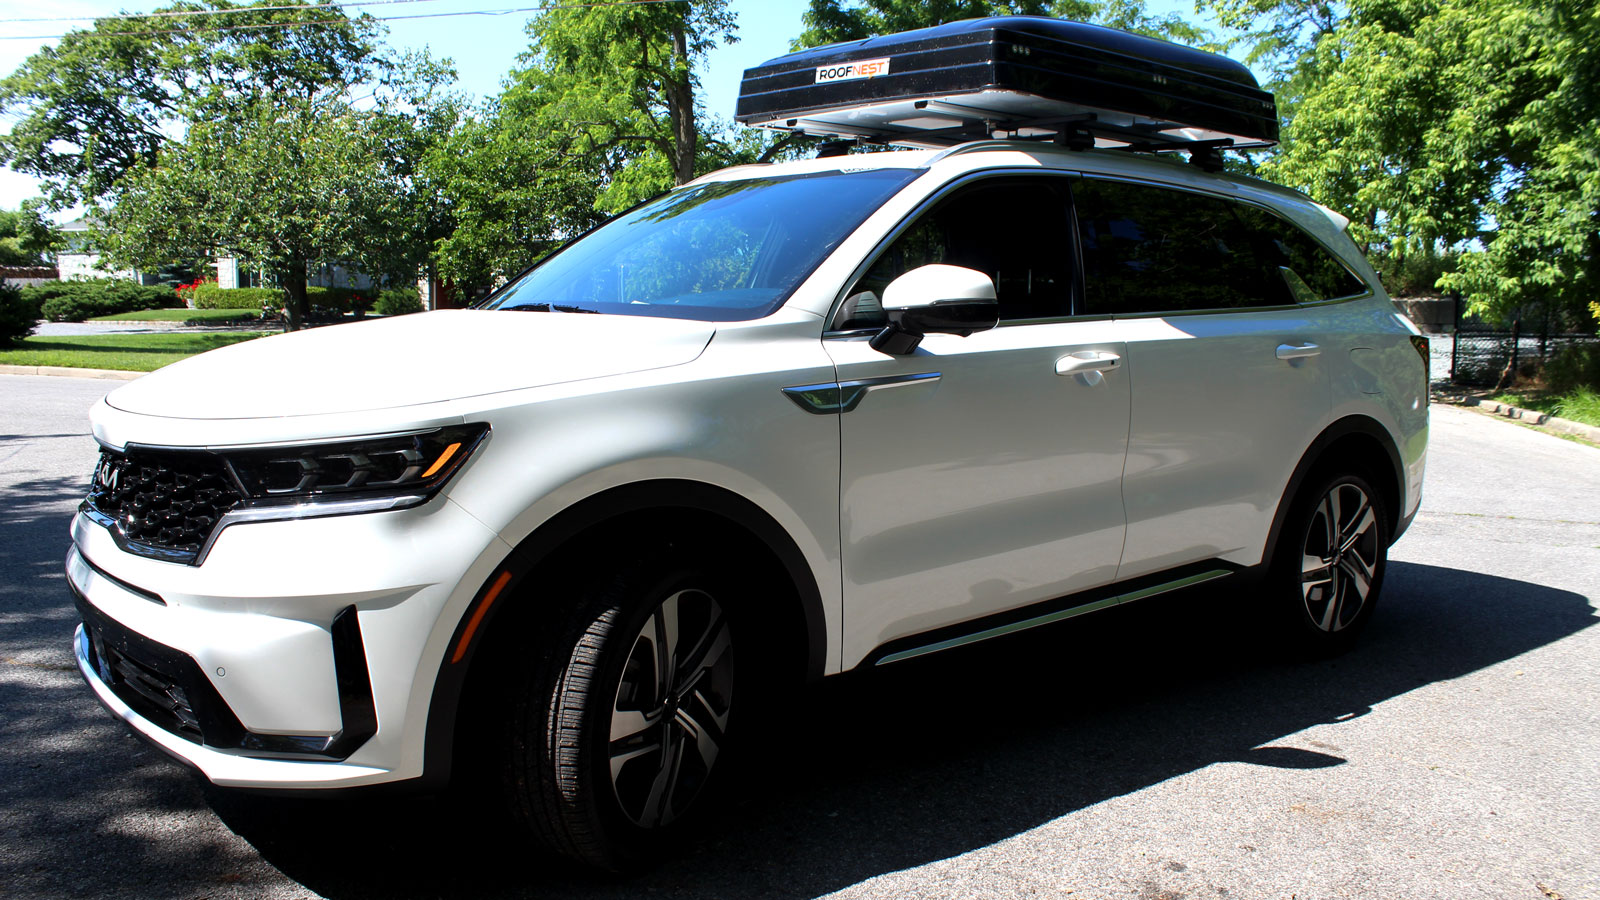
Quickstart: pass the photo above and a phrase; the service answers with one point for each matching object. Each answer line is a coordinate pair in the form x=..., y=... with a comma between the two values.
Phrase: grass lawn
x=186, y=316
x=129, y=352
x=1581, y=405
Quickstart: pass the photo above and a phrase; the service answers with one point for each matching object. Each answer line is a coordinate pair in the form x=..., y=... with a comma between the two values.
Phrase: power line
x=269, y=25
x=212, y=12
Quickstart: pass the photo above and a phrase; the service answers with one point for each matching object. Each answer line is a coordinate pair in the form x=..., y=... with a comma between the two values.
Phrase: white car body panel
x=1218, y=425
x=403, y=361
x=995, y=486
x=1000, y=485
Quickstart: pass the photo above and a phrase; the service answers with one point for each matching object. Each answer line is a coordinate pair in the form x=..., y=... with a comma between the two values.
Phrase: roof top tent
x=1024, y=77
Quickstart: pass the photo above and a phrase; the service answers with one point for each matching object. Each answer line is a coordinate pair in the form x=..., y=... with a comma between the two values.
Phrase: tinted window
x=1149, y=249
x=722, y=251
x=1014, y=230
x=1311, y=263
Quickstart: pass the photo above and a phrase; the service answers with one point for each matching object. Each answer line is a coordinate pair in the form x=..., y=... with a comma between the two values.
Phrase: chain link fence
x=1481, y=351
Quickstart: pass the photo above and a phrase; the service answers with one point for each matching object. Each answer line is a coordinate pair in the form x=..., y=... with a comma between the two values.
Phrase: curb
x=1526, y=416
x=67, y=372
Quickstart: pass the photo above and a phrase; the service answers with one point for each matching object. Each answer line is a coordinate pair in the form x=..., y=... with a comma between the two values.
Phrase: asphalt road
x=1157, y=751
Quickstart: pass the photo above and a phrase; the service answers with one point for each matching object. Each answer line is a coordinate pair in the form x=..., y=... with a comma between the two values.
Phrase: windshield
x=722, y=252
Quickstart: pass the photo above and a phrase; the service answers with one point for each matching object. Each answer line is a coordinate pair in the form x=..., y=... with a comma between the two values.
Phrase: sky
x=483, y=47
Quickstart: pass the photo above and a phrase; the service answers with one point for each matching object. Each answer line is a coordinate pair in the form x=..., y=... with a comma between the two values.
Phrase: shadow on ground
x=930, y=759
x=915, y=763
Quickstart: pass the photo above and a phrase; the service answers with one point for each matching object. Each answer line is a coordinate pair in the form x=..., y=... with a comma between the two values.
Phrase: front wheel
x=618, y=740
x=1328, y=568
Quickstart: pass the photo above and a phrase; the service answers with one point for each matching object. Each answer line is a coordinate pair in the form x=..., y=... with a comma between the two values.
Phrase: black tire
x=613, y=802
x=1328, y=567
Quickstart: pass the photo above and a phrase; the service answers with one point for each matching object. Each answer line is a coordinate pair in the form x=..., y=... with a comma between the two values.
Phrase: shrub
x=18, y=314
x=209, y=296
x=330, y=300
x=1574, y=368
x=398, y=302
x=74, y=301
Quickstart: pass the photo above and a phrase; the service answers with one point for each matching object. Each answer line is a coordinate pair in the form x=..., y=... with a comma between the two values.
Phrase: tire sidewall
x=633, y=598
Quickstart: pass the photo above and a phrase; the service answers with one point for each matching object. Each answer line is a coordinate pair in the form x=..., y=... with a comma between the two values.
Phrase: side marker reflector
x=477, y=616
x=443, y=458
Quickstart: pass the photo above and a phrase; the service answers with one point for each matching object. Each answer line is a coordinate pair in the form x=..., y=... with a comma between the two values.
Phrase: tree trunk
x=1508, y=377
x=680, y=109
x=293, y=281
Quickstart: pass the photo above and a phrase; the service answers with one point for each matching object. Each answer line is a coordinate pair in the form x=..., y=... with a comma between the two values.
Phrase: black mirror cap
x=959, y=317
x=963, y=317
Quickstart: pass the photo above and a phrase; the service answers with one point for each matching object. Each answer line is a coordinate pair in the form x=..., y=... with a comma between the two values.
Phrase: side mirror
x=935, y=299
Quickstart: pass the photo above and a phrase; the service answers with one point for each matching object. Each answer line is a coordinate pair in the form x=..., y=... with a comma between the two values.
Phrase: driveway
x=1156, y=751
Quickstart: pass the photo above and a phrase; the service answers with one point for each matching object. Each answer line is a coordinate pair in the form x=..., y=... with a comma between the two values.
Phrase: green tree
x=105, y=101
x=1440, y=125
x=602, y=112
x=284, y=183
x=832, y=21
x=26, y=239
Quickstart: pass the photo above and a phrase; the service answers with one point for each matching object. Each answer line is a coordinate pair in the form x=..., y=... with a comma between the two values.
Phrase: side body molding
x=829, y=397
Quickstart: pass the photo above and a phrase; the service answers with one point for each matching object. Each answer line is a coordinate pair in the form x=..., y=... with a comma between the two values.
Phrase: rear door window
x=1150, y=249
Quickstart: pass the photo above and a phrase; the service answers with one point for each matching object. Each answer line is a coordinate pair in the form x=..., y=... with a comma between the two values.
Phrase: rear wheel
x=1329, y=566
x=623, y=730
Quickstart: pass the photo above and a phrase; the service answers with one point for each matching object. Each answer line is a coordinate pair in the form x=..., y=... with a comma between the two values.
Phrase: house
x=80, y=259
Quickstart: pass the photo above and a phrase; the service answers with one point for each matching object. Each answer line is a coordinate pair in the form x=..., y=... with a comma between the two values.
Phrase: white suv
x=787, y=421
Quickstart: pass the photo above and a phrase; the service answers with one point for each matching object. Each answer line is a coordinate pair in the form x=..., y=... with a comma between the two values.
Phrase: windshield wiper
x=547, y=307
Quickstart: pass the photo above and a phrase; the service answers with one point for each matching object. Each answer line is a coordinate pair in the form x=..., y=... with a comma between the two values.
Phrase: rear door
x=1229, y=379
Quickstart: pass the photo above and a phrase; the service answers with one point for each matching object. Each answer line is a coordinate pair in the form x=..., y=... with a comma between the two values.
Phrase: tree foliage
x=284, y=183
x=26, y=239
x=603, y=112
x=105, y=101
x=227, y=132
x=1440, y=124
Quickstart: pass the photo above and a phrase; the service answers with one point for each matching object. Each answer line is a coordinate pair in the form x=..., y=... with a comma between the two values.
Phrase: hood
x=408, y=360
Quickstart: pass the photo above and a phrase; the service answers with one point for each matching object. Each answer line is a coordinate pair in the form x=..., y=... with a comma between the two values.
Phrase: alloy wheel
x=670, y=717
x=1339, y=559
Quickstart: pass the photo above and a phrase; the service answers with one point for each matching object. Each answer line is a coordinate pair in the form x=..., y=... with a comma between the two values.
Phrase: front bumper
x=302, y=654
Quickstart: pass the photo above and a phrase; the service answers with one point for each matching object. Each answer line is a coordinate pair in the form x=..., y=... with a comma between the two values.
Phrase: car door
x=1228, y=378
x=975, y=479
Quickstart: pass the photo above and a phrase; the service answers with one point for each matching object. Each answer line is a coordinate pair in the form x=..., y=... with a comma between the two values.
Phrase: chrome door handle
x=1074, y=363
x=1301, y=351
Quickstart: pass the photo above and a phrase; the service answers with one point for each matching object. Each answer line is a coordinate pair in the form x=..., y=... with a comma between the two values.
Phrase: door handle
x=1088, y=361
x=1301, y=351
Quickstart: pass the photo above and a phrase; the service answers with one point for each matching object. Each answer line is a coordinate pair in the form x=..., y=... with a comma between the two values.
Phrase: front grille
x=170, y=500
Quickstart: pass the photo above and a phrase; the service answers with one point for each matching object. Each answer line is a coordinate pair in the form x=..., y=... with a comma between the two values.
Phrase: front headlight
x=392, y=465
x=171, y=503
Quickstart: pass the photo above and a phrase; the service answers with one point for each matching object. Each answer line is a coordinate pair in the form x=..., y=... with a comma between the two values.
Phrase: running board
x=1052, y=617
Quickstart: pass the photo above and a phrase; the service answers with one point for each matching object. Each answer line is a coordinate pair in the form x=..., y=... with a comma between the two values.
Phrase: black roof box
x=1012, y=76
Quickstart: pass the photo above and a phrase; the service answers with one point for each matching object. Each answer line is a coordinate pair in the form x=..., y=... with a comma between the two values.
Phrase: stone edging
x=107, y=374
x=1526, y=416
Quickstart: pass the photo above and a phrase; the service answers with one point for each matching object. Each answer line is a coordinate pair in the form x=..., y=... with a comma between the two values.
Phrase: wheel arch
x=1366, y=444
x=612, y=512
